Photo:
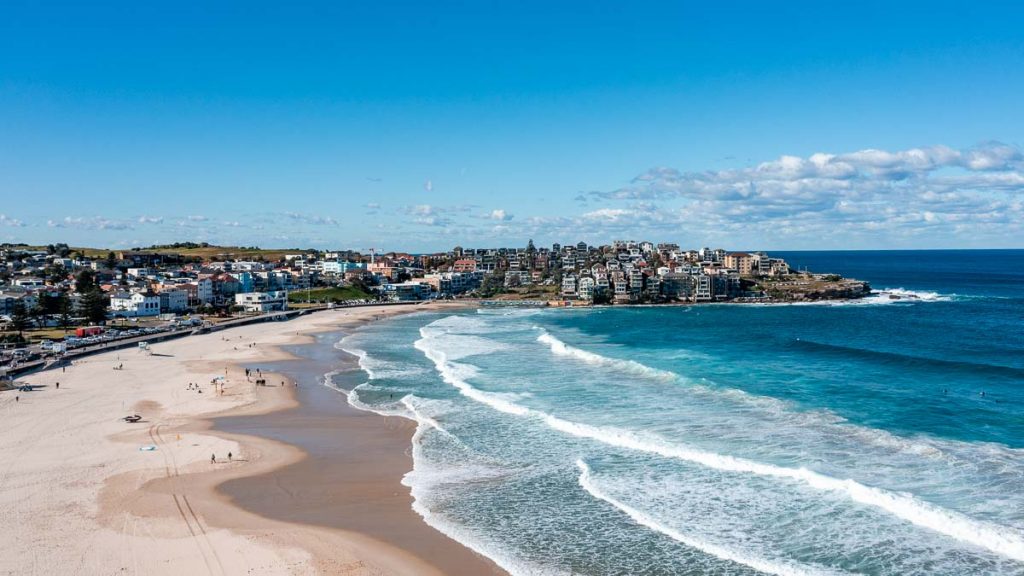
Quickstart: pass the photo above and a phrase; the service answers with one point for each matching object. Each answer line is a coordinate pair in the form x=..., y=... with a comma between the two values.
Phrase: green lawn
x=330, y=294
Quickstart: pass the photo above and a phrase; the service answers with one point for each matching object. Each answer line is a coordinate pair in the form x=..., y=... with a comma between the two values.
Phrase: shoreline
x=350, y=475
x=81, y=491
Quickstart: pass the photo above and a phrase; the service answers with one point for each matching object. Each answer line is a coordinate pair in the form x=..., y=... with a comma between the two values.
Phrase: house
x=742, y=262
x=260, y=302
x=339, y=268
x=8, y=301
x=569, y=285
x=133, y=305
x=203, y=290
x=406, y=291
x=702, y=288
x=586, y=288
x=29, y=282
x=173, y=300
x=675, y=286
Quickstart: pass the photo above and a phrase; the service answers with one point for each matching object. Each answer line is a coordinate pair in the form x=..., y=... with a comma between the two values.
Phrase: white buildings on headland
x=147, y=283
x=624, y=271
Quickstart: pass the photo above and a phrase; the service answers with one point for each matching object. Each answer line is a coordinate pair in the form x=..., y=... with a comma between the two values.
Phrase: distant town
x=46, y=291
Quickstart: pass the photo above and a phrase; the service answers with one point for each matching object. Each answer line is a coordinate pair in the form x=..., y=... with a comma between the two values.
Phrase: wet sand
x=350, y=476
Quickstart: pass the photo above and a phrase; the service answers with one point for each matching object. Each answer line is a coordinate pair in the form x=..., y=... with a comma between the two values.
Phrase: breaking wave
x=996, y=538
x=780, y=568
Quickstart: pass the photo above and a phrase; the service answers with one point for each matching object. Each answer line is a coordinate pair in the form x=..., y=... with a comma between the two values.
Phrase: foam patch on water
x=774, y=406
x=560, y=348
x=744, y=557
x=386, y=409
x=425, y=481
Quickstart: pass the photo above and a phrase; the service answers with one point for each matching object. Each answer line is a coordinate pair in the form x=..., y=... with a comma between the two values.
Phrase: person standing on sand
x=58, y=385
x=213, y=458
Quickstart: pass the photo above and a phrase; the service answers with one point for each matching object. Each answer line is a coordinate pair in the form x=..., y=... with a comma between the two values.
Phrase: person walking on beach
x=58, y=385
x=229, y=456
x=213, y=458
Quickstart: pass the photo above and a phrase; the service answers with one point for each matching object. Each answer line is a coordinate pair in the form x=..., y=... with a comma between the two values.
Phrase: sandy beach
x=83, y=492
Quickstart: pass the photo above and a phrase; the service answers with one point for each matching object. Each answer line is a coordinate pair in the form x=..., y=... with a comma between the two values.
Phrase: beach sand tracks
x=182, y=504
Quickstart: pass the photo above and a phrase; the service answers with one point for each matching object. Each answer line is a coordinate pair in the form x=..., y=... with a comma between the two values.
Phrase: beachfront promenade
x=56, y=361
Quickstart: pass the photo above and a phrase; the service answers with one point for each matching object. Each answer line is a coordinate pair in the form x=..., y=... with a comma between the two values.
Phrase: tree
x=64, y=310
x=56, y=273
x=50, y=303
x=19, y=316
x=111, y=261
x=492, y=284
x=94, y=306
x=85, y=281
x=38, y=312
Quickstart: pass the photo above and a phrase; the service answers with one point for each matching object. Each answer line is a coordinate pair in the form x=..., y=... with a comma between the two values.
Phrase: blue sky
x=422, y=125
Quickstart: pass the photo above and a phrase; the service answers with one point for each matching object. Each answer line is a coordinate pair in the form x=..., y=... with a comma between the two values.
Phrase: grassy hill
x=329, y=294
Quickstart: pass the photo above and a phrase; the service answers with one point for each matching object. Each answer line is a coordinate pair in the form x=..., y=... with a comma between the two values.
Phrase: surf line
x=995, y=538
x=760, y=564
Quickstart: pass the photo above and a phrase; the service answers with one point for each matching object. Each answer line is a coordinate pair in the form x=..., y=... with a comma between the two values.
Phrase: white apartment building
x=135, y=305
x=586, y=288
x=263, y=301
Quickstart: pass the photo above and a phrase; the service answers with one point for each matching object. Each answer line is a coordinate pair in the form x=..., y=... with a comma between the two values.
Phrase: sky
x=423, y=125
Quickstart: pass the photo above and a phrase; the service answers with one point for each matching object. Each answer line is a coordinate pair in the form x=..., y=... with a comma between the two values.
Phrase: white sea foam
x=901, y=295
x=423, y=480
x=999, y=539
x=560, y=348
x=774, y=406
x=781, y=568
x=389, y=409
x=876, y=297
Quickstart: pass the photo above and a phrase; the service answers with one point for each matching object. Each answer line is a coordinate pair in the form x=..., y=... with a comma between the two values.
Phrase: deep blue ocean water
x=883, y=436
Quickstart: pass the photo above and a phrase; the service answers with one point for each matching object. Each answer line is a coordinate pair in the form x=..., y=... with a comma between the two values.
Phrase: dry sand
x=79, y=495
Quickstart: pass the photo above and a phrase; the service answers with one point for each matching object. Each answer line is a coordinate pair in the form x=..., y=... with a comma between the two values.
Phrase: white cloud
x=312, y=219
x=422, y=210
x=150, y=219
x=91, y=223
x=838, y=193
x=12, y=222
x=608, y=214
x=500, y=215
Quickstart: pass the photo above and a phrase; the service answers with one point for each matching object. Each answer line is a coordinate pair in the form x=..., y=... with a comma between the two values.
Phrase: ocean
x=882, y=436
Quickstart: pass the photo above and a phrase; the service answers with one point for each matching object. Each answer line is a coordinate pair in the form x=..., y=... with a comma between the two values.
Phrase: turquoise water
x=878, y=437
